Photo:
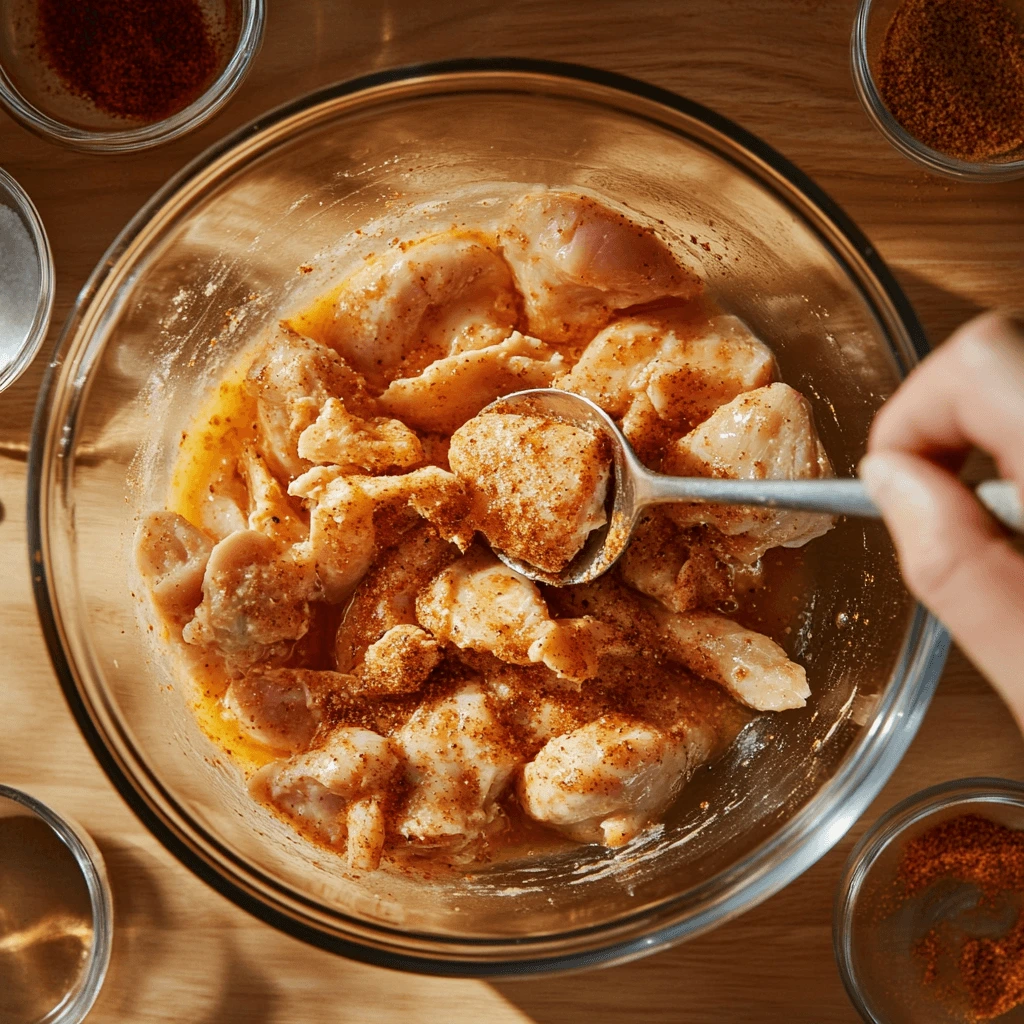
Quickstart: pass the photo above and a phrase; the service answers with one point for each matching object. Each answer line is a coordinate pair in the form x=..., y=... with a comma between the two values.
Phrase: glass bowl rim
x=896, y=135
x=79, y=1001
x=887, y=829
x=809, y=834
x=131, y=140
x=44, y=301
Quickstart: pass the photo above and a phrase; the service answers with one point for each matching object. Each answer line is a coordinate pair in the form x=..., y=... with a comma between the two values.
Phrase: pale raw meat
x=576, y=261
x=419, y=302
x=608, y=780
x=750, y=666
x=454, y=389
x=767, y=434
x=337, y=791
x=460, y=759
x=480, y=604
x=373, y=444
x=270, y=511
x=172, y=555
x=386, y=596
x=291, y=378
x=400, y=661
x=255, y=601
x=537, y=486
x=674, y=566
x=282, y=707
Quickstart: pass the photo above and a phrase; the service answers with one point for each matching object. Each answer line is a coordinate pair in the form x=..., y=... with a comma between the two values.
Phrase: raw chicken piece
x=255, y=601
x=674, y=567
x=684, y=363
x=480, y=604
x=537, y=486
x=291, y=378
x=345, y=510
x=386, y=597
x=400, y=661
x=454, y=389
x=373, y=445
x=576, y=261
x=283, y=707
x=608, y=780
x=270, y=511
x=423, y=301
x=764, y=434
x=460, y=758
x=337, y=791
x=749, y=665
x=171, y=555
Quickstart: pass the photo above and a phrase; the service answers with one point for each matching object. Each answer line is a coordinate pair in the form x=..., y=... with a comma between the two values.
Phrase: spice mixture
x=952, y=73
x=19, y=285
x=975, y=850
x=132, y=58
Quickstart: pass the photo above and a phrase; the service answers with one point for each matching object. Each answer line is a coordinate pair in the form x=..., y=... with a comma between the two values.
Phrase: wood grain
x=182, y=953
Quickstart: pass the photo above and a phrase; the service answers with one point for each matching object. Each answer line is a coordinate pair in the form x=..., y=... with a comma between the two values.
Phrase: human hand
x=953, y=555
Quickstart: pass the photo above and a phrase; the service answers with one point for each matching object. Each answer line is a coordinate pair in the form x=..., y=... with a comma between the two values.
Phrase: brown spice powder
x=952, y=73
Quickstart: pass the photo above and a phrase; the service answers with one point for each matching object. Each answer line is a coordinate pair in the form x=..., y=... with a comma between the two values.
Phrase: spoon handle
x=838, y=497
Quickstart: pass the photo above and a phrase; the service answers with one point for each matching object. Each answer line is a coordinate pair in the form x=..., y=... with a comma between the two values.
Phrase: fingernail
x=896, y=490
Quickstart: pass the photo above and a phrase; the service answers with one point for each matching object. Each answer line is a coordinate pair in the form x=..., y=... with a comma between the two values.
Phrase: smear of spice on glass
x=952, y=73
x=141, y=59
x=973, y=850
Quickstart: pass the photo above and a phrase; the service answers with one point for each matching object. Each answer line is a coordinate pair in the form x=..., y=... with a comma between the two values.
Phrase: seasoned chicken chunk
x=171, y=555
x=400, y=661
x=270, y=511
x=255, y=601
x=386, y=597
x=764, y=434
x=336, y=791
x=291, y=379
x=460, y=758
x=373, y=445
x=454, y=389
x=415, y=303
x=480, y=604
x=684, y=363
x=608, y=780
x=750, y=666
x=537, y=486
x=576, y=261
x=283, y=707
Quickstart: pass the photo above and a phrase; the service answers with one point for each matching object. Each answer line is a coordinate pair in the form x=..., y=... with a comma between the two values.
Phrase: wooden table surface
x=182, y=952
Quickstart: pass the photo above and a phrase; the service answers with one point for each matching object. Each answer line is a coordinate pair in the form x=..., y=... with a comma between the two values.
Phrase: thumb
x=956, y=560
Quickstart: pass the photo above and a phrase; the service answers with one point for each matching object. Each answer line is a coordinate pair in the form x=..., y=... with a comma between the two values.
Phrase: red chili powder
x=144, y=59
x=952, y=73
x=975, y=850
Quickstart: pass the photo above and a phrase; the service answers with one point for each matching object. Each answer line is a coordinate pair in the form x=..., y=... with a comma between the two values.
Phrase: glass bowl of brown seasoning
x=929, y=915
x=943, y=81
x=119, y=75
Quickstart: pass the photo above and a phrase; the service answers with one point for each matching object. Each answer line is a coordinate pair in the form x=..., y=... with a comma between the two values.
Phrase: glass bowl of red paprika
x=943, y=81
x=929, y=915
x=118, y=76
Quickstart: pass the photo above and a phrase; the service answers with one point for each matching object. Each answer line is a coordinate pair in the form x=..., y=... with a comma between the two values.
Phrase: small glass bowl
x=874, y=935
x=78, y=1001
x=869, y=27
x=15, y=197
x=33, y=95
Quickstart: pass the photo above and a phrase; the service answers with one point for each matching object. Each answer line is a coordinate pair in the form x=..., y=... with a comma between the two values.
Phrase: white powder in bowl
x=20, y=281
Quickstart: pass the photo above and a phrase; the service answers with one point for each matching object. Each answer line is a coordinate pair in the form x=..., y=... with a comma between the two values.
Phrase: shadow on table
x=210, y=982
x=939, y=311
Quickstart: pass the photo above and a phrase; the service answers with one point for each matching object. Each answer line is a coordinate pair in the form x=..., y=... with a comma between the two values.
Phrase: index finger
x=970, y=391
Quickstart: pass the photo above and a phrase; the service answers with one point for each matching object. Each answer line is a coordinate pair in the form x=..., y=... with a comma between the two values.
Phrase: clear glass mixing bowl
x=217, y=254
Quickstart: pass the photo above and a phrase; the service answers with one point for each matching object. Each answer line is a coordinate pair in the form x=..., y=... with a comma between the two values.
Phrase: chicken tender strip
x=172, y=555
x=373, y=445
x=400, y=661
x=480, y=604
x=537, y=487
x=270, y=512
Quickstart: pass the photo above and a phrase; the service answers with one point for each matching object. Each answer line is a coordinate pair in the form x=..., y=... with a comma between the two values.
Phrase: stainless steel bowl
x=216, y=255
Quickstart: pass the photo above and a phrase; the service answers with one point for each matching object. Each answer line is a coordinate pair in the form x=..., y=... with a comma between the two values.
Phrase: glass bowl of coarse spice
x=117, y=76
x=929, y=916
x=943, y=81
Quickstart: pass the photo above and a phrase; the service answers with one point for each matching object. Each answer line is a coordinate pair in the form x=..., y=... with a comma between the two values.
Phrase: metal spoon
x=634, y=488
